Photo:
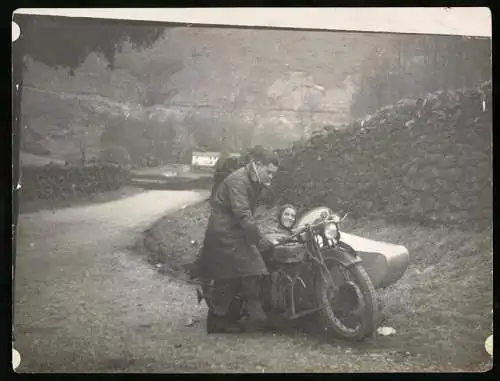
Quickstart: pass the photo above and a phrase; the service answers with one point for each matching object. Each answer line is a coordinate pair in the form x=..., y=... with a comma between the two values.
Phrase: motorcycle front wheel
x=350, y=308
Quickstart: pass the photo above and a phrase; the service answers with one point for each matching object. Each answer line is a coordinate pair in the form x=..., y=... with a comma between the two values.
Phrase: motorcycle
x=314, y=274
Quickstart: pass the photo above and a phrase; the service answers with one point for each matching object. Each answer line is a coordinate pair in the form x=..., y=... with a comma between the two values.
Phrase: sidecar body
x=384, y=262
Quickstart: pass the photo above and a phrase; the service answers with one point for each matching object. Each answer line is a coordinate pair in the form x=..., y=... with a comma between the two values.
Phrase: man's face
x=266, y=173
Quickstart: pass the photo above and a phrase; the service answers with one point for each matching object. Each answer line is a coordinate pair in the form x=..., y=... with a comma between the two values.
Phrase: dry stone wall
x=427, y=159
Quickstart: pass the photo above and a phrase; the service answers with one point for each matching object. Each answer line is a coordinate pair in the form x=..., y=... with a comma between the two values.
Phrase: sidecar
x=384, y=262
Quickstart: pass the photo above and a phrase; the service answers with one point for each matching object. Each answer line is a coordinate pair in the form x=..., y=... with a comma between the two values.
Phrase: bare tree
x=416, y=65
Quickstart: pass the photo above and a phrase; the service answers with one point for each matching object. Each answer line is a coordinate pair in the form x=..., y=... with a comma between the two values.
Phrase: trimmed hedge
x=54, y=182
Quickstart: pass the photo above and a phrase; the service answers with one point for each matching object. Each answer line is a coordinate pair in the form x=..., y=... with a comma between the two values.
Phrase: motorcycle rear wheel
x=367, y=308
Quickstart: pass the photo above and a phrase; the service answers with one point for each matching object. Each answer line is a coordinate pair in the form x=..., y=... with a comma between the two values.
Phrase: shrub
x=54, y=182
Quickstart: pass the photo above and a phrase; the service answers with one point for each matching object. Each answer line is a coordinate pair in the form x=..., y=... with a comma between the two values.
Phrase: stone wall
x=428, y=160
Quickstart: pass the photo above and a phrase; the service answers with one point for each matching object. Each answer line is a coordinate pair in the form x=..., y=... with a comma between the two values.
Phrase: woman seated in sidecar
x=286, y=218
x=384, y=262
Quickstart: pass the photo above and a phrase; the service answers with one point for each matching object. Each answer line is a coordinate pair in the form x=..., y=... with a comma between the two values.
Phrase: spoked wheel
x=350, y=306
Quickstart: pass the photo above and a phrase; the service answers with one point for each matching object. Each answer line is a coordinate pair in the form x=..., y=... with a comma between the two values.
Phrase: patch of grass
x=441, y=308
x=176, y=239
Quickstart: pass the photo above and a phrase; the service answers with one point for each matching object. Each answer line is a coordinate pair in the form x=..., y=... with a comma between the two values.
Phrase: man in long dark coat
x=230, y=257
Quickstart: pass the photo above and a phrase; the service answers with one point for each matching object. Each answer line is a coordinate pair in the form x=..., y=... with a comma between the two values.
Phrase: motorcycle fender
x=345, y=256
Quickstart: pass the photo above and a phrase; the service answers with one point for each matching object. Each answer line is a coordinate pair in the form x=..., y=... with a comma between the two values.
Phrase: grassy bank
x=441, y=308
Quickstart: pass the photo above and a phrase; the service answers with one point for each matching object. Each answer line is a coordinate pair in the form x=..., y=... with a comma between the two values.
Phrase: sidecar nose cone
x=384, y=262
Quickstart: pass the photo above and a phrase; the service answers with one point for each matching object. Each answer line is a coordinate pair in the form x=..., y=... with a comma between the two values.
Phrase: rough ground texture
x=427, y=161
x=83, y=303
x=441, y=308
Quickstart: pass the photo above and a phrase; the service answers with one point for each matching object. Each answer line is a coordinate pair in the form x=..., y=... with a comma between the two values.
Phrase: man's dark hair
x=263, y=155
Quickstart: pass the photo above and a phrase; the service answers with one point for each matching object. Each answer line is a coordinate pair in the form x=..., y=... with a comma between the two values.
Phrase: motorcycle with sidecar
x=318, y=273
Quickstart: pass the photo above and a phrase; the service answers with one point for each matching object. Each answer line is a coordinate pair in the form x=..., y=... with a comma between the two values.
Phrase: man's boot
x=223, y=308
x=250, y=292
x=255, y=310
x=221, y=324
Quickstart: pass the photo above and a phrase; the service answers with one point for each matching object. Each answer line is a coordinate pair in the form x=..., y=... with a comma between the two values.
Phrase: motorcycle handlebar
x=305, y=228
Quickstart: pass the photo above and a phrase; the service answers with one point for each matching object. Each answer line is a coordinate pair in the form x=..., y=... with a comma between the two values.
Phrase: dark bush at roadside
x=53, y=182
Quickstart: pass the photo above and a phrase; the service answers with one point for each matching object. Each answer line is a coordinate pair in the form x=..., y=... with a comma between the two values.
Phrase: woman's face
x=288, y=217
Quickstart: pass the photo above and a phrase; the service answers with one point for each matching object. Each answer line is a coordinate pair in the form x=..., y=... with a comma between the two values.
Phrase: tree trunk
x=436, y=74
x=398, y=75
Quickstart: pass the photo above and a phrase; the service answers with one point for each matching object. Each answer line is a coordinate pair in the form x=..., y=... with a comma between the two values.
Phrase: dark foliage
x=427, y=160
x=66, y=42
x=65, y=182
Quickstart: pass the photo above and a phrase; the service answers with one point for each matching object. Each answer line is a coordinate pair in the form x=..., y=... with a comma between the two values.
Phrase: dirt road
x=85, y=303
x=78, y=290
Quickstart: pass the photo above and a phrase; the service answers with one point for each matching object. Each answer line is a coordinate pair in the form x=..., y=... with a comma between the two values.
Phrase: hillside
x=279, y=83
x=225, y=88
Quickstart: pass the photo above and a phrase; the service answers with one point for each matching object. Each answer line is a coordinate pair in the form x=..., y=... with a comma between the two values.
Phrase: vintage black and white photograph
x=212, y=199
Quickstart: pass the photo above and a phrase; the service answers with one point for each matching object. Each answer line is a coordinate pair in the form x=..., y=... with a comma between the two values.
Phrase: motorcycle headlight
x=331, y=231
x=319, y=240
